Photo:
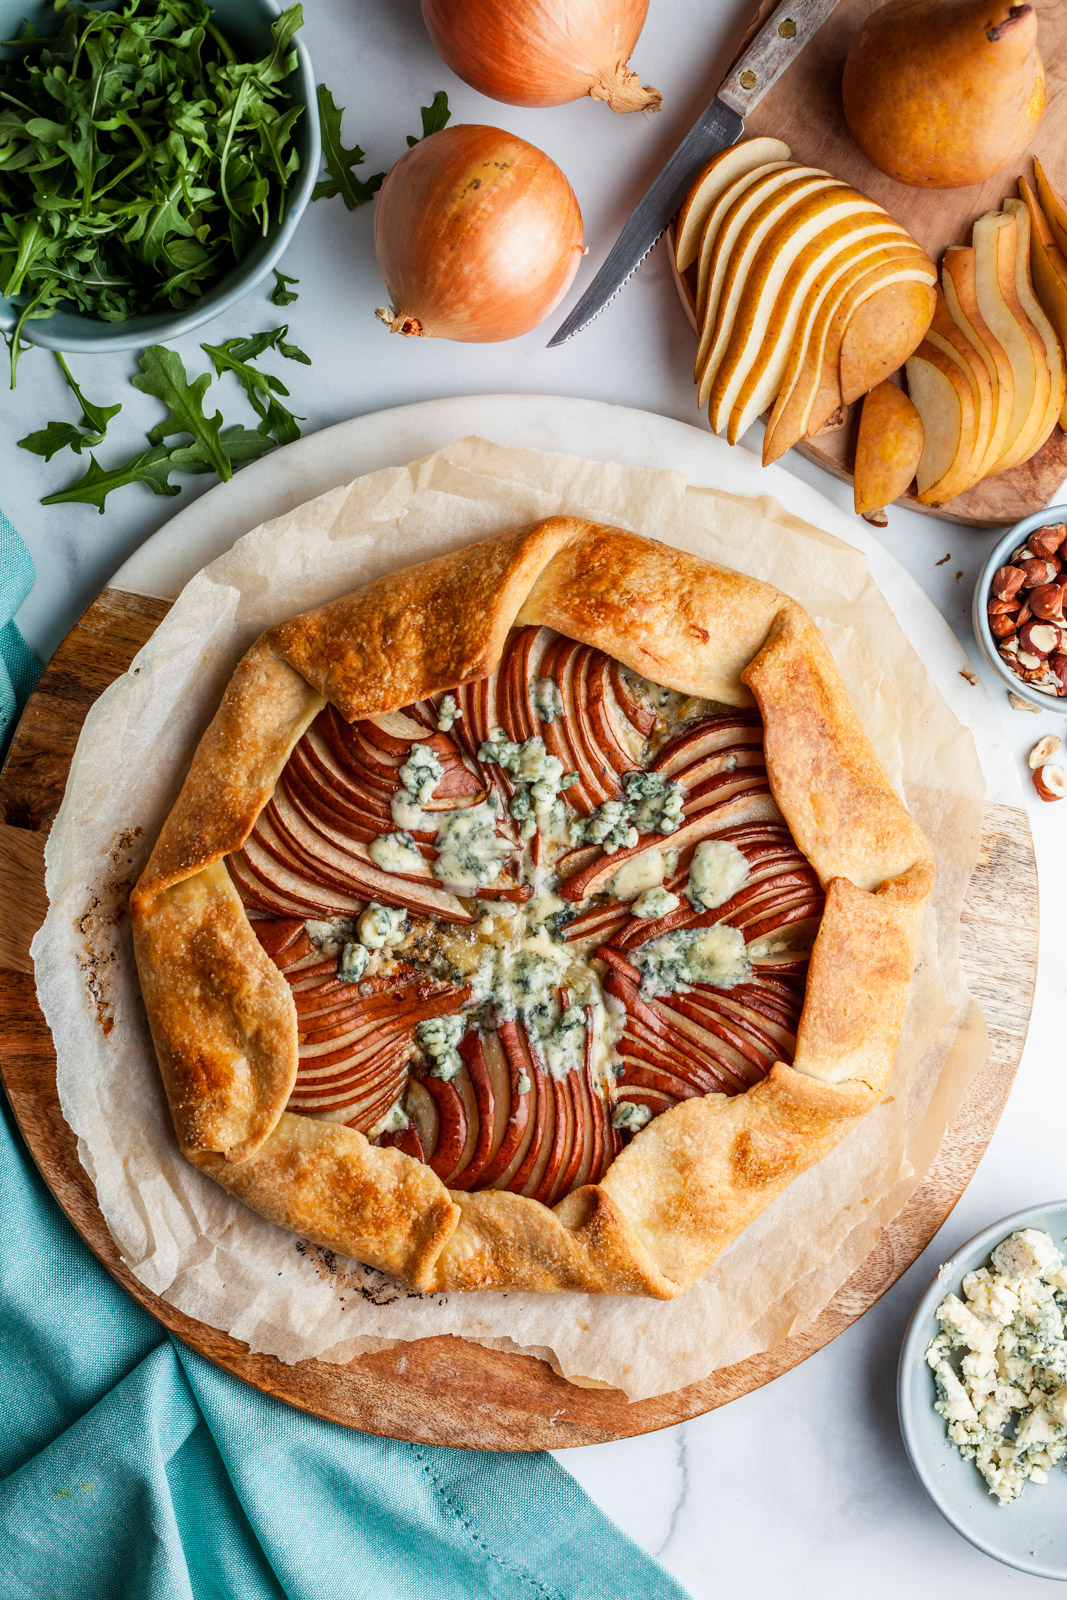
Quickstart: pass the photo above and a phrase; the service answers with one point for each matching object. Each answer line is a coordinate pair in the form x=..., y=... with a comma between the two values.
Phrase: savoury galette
x=530, y=918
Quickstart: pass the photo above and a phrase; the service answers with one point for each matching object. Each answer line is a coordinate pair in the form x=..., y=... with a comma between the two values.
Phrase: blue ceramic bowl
x=980, y=616
x=1031, y=1532
x=247, y=24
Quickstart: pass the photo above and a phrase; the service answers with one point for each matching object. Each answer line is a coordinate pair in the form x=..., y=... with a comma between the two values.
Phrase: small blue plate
x=1031, y=1533
x=247, y=23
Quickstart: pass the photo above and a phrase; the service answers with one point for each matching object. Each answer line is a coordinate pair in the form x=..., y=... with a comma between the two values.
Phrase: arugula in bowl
x=141, y=157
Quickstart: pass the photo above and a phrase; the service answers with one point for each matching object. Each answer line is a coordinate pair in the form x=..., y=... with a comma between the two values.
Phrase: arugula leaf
x=152, y=467
x=140, y=156
x=262, y=388
x=62, y=435
x=95, y=418
x=164, y=376
x=241, y=444
x=280, y=295
x=55, y=437
x=434, y=117
x=340, y=178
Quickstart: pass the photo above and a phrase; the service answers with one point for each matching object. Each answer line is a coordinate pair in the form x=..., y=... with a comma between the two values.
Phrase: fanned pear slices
x=713, y=181
x=990, y=379
x=811, y=388
x=776, y=289
x=1049, y=268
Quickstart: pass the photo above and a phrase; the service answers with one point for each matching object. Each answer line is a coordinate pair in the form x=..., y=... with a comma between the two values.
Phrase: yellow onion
x=544, y=52
x=478, y=235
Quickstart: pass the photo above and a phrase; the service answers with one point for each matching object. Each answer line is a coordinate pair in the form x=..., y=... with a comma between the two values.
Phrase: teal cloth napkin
x=133, y=1469
x=19, y=667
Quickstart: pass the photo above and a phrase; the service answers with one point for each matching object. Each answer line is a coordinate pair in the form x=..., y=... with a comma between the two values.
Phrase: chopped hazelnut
x=1007, y=581
x=1044, y=750
x=1046, y=541
x=1039, y=638
x=1050, y=781
x=1046, y=602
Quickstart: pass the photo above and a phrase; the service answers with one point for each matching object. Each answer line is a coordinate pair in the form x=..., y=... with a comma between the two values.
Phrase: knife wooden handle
x=776, y=46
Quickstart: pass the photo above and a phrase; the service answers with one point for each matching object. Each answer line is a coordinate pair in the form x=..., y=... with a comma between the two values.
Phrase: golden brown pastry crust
x=692, y=1180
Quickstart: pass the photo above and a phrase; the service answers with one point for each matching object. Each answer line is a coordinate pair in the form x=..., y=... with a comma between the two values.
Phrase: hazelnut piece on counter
x=1044, y=750
x=1050, y=781
x=1039, y=638
x=1046, y=602
x=1046, y=541
x=1007, y=581
x=1017, y=703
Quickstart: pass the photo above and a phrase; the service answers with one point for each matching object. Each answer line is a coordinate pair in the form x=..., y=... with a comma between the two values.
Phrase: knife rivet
x=788, y=28
x=748, y=80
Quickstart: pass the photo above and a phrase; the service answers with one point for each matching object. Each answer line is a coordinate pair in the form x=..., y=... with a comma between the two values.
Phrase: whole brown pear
x=943, y=93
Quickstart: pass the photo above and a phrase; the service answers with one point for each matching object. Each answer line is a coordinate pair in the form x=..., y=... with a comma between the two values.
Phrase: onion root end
x=624, y=91
x=411, y=326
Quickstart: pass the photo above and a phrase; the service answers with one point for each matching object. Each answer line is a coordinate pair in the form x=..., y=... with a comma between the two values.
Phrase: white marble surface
x=802, y=1488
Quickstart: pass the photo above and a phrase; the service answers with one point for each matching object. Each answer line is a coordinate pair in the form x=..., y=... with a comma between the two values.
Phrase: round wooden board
x=804, y=109
x=448, y=1391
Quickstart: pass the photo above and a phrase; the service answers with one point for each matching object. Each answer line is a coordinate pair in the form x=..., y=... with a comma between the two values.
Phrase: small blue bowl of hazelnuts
x=1019, y=609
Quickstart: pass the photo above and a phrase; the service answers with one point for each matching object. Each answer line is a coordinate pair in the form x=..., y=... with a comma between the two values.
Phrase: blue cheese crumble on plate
x=1000, y=1364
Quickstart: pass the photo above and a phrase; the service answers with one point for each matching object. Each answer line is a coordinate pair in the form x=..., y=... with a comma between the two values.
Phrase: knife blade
x=785, y=33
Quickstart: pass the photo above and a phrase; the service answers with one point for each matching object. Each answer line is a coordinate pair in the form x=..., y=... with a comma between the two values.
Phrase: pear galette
x=530, y=918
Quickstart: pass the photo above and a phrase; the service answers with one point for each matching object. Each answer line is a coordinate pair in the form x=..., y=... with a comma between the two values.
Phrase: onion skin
x=478, y=236
x=543, y=52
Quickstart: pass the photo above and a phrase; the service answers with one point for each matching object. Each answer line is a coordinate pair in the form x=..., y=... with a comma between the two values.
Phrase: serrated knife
x=785, y=33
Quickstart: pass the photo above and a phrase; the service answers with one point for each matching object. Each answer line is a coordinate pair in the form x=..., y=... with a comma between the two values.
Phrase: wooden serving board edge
x=445, y=1390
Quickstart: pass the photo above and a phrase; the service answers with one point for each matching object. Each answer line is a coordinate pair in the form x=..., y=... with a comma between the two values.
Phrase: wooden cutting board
x=446, y=1390
x=804, y=109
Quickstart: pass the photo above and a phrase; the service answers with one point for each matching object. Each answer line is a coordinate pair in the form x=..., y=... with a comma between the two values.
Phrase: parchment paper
x=204, y=1252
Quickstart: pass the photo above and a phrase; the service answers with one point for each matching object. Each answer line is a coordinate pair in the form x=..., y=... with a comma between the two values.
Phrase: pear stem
x=999, y=29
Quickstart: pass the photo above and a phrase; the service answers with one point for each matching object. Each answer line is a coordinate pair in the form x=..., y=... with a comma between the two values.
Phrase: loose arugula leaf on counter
x=280, y=295
x=61, y=435
x=340, y=177
x=262, y=388
x=152, y=467
x=434, y=117
x=140, y=157
x=94, y=418
x=56, y=436
x=164, y=376
x=241, y=444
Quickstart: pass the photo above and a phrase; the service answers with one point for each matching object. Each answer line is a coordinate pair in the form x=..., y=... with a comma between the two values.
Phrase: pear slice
x=889, y=446
x=942, y=396
x=995, y=245
x=778, y=171
x=740, y=250
x=714, y=180
x=790, y=181
x=945, y=336
x=1048, y=266
x=882, y=334
x=1052, y=206
x=814, y=351
x=960, y=288
x=829, y=248
x=1024, y=288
